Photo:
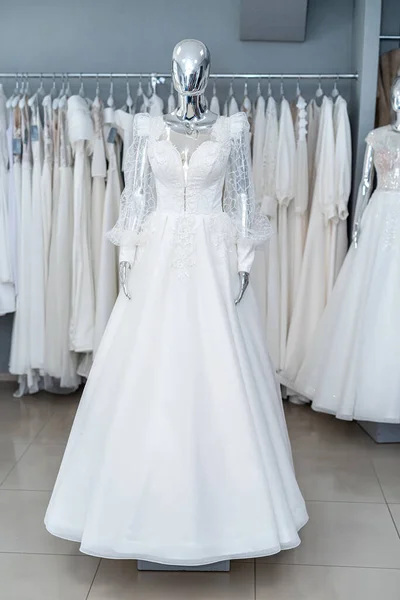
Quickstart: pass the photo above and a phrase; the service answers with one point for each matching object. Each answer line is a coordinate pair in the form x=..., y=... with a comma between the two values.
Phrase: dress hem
x=178, y=562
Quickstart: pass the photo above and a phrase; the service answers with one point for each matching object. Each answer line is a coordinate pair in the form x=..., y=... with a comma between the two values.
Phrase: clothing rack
x=389, y=37
x=161, y=76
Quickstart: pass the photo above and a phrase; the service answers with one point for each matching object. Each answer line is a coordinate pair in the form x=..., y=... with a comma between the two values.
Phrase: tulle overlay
x=352, y=368
x=164, y=462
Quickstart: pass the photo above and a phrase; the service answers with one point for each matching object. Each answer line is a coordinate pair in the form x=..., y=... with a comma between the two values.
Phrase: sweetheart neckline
x=176, y=149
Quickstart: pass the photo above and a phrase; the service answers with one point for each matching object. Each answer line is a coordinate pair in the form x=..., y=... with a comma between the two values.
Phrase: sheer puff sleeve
x=252, y=226
x=138, y=199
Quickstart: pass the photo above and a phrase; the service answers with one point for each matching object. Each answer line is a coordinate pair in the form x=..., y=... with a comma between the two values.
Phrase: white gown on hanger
x=258, y=147
x=179, y=452
x=171, y=105
x=300, y=196
x=47, y=180
x=270, y=208
x=99, y=173
x=12, y=203
x=214, y=104
x=124, y=124
x=259, y=271
x=20, y=341
x=37, y=280
x=351, y=369
x=51, y=195
x=339, y=243
x=313, y=119
x=156, y=106
x=107, y=285
x=64, y=361
x=312, y=290
x=80, y=129
x=285, y=191
x=7, y=288
x=15, y=180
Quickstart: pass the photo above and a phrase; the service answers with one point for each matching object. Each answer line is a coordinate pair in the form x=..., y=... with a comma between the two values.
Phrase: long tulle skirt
x=179, y=452
x=351, y=369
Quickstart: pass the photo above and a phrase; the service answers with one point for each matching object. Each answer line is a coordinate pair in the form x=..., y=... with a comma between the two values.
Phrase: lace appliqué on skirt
x=222, y=234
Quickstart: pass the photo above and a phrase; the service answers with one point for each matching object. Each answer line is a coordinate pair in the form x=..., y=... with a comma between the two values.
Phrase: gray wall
x=366, y=29
x=390, y=24
x=121, y=35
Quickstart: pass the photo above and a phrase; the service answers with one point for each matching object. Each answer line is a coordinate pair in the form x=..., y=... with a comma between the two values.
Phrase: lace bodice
x=386, y=145
x=217, y=179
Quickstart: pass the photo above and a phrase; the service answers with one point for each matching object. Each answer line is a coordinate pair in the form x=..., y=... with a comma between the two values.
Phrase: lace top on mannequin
x=386, y=146
x=217, y=181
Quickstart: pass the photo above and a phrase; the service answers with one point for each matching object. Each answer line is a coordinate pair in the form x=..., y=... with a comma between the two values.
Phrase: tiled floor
x=350, y=548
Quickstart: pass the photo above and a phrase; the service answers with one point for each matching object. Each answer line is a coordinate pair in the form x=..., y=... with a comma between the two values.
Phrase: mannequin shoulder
x=377, y=135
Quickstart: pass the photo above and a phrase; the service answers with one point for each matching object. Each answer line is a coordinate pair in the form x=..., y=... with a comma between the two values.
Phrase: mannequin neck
x=396, y=122
x=189, y=108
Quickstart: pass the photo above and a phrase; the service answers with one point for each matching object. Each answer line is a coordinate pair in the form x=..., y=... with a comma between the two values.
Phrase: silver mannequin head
x=190, y=67
x=395, y=94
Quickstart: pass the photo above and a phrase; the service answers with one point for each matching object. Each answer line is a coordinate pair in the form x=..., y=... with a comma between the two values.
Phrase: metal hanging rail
x=161, y=76
x=390, y=37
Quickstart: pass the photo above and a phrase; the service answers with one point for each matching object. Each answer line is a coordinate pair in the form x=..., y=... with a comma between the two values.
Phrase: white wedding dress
x=351, y=368
x=312, y=291
x=285, y=192
x=179, y=452
x=7, y=287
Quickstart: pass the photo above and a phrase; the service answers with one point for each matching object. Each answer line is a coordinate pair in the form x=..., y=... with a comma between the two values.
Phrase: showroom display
x=351, y=369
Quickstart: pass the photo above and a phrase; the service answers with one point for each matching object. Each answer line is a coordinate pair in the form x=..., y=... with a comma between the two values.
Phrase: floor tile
x=332, y=476
x=119, y=580
x=41, y=577
x=395, y=510
x=22, y=419
x=22, y=528
x=345, y=534
x=294, y=582
x=316, y=432
x=59, y=426
x=386, y=461
x=37, y=470
x=10, y=453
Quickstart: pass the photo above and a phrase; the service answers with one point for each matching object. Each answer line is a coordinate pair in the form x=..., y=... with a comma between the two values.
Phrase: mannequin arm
x=364, y=192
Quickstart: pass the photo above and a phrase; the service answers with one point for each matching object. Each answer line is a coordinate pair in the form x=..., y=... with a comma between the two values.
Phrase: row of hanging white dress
x=7, y=286
x=20, y=363
x=326, y=241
